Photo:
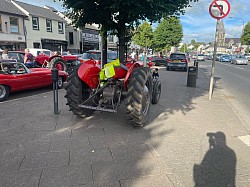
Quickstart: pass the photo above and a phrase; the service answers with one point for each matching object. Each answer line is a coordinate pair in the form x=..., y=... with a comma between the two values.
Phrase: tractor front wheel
x=139, y=96
x=76, y=93
x=58, y=63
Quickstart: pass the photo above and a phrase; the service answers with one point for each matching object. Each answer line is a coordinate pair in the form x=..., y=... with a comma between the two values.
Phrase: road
x=235, y=79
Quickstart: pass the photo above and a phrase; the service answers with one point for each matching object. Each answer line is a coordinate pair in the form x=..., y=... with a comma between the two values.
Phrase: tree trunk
x=104, y=47
x=122, y=41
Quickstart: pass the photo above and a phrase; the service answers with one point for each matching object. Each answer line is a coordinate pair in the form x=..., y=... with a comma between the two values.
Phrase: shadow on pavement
x=218, y=167
x=102, y=150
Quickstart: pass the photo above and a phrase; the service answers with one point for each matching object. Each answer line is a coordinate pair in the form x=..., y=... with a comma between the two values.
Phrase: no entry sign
x=219, y=9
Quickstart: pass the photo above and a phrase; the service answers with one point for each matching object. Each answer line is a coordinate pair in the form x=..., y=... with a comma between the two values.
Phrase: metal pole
x=145, y=55
x=213, y=64
x=55, y=93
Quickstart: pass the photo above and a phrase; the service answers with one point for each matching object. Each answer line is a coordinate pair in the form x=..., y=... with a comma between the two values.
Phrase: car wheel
x=167, y=68
x=4, y=92
x=60, y=83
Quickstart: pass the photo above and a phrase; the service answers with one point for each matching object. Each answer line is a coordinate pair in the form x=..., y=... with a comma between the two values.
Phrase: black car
x=158, y=61
x=177, y=61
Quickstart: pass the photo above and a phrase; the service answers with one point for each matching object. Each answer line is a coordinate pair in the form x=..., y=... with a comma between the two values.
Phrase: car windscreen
x=178, y=56
x=15, y=56
x=96, y=56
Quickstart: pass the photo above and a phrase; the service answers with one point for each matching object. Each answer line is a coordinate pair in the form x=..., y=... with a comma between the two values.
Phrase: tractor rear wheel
x=156, y=91
x=58, y=63
x=76, y=93
x=139, y=96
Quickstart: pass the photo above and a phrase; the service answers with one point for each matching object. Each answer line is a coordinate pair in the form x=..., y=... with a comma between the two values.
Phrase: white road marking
x=8, y=101
x=230, y=65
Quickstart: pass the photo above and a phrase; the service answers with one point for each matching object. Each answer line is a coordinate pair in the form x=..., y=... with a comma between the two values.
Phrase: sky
x=197, y=22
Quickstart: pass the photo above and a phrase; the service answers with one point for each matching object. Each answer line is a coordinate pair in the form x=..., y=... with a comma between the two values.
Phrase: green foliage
x=121, y=15
x=144, y=35
x=245, y=38
x=184, y=48
x=168, y=33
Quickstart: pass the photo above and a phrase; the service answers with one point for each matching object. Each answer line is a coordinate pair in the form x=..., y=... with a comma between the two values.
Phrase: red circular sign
x=219, y=9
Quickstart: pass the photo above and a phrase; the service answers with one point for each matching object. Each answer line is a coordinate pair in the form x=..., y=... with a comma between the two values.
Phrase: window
x=36, y=45
x=14, y=25
x=1, y=23
x=35, y=23
x=71, y=38
x=60, y=27
x=49, y=25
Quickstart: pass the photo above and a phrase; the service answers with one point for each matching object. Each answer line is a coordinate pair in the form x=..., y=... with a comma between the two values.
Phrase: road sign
x=219, y=9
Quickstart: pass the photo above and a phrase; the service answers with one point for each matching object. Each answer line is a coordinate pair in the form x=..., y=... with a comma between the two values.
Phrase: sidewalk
x=38, y=148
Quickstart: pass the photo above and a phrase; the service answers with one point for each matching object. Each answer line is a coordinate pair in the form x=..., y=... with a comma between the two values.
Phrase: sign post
x=218, y=9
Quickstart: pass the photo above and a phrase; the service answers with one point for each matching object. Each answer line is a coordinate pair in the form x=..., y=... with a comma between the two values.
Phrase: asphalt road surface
x=236, y=80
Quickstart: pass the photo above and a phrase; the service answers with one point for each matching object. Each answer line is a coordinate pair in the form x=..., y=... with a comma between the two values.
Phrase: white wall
x=37, y=35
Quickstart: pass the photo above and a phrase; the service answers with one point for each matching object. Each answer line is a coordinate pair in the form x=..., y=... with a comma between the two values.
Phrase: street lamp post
x=243, y=23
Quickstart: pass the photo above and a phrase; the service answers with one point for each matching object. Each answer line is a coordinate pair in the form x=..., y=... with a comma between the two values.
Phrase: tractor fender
x=131, y=68
x=88, y=72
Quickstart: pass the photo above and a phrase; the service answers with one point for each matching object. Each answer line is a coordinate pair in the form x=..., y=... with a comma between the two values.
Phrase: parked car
x=177, y=61
x=200, y=57
x=15, y=76
x=247, y=55
x=16, y=55
x=96, y=55
x=239, y=60
x=225, y=58
x=158, y=61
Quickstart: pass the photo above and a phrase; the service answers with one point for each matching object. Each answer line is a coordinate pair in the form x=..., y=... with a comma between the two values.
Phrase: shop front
x=90, y=39
x=54, y=45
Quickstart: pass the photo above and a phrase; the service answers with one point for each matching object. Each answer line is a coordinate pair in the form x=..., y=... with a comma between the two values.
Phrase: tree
x=184, y=48
x=121, y=15
x=168, y=33
x=144, y=35
x=245, y=38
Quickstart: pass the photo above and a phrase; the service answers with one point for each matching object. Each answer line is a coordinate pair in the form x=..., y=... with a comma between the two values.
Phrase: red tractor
x=87, y=90
x=63, y=63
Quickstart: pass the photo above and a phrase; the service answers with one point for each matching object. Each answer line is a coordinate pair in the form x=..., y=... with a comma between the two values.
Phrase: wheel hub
x=2, y=92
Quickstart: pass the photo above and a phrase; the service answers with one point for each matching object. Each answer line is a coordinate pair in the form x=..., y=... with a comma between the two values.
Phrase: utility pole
x=213, y=64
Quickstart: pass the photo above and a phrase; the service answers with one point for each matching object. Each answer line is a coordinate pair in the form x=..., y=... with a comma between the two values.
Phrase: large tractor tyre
x=76, y=93
x=156, y=91
x=139, y=96
x=58, y=63
x=4, y=92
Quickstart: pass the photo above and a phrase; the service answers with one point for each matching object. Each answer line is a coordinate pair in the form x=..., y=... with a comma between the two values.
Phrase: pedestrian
x=133, y=55
x=5, y=54
x=155, y=74
x=28, y=59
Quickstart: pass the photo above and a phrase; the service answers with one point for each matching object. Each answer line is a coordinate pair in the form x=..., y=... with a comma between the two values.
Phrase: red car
x=15, y=76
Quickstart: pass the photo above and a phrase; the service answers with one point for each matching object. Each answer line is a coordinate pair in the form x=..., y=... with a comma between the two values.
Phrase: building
x=12, y=29
x=79, y=39
x=44, y=28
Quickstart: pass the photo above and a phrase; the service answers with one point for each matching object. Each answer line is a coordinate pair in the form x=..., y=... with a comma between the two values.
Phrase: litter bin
x=191, y=79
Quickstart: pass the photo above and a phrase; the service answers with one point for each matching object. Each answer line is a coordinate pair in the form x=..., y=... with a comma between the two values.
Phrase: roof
x=236, y=40
x=39, y=11
x=8, y=8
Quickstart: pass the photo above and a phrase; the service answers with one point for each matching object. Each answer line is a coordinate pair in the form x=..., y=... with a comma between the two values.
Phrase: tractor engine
x=111, y=94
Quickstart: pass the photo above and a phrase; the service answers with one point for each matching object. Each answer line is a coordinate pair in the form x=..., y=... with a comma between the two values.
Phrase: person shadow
x=218, y=167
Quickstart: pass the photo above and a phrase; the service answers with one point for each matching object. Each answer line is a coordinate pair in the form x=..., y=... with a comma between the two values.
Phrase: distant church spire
x=221, y=34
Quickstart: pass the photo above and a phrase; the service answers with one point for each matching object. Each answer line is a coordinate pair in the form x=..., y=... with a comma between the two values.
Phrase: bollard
x=54, y=78
x=197, y=68
x=191, y=79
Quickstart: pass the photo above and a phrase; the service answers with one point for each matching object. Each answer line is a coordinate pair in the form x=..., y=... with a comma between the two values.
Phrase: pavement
x=190, y=141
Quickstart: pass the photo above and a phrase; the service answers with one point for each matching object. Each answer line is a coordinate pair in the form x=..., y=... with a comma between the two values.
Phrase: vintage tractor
x=91, y=88
x=63, y=63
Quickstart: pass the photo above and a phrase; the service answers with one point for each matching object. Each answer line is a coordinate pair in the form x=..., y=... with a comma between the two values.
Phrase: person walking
x=5, y=54
x=28, y=59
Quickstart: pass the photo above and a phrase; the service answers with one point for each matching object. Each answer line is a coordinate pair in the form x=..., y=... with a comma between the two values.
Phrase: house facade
x=12, y=29
x=44, y=28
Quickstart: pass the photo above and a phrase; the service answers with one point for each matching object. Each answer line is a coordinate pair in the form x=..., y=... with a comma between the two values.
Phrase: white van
x=35, y=52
